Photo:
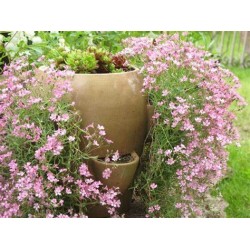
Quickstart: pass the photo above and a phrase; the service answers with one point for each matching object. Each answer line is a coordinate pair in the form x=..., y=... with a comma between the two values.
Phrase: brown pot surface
x=116, y=102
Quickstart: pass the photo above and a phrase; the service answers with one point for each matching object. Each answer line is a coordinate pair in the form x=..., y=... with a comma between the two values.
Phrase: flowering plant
x=192, y=96
x=16, y=43
x=43, y=172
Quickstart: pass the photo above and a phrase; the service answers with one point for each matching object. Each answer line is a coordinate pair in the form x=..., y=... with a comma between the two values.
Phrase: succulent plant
x=82, y=61
x=120, y=62
x=59, y=56
x=91, y=60
x=104, y=58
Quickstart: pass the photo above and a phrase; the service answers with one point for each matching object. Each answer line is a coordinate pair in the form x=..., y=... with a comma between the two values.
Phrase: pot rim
x=133, y=154
x=108, y=74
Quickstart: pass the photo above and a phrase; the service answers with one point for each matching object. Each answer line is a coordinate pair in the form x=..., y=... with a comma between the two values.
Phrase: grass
x=235, y=188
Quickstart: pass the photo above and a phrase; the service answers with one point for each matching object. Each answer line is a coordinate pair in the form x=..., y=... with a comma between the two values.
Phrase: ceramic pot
x=122, y=173
x=115, y=101
x=122, y=176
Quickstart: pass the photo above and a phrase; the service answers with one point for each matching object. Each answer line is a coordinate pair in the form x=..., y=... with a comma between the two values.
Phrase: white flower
x=29, y=34
x=67, y=49
x=61, y=42
x=36, y=39
x=43, y=68
x=71, y=138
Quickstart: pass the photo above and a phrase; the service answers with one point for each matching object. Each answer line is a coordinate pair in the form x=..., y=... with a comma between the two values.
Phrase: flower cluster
x=43, y=170
x=192, y=96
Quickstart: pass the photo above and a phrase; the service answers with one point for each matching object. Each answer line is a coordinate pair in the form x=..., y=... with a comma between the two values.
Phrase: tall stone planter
x=114, y=101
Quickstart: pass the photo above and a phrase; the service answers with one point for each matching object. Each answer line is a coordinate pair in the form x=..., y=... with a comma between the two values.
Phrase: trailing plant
x=192, y=95
x=43, y=171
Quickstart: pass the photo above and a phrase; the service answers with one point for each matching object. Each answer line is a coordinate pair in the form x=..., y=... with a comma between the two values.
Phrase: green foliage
x=104, y=59
x=81, y=61
x=109, y=40
x=235, y=188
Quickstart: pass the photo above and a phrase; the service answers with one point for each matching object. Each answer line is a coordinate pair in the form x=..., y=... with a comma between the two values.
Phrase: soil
x=137, y=209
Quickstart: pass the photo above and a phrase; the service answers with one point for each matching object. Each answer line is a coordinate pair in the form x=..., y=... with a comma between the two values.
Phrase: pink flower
x=151, y=209
x=51, y=109
x=153, y=186
x=36, y=206
x=165, y=92
x=116, y=156
x=100, y=127
x=65, y=117
x=68, y=191
x=58, y=190
x=96, y=143
x=157, y=207
x=53, y=116
x=168, y=152
x=106, y=173
x=160, y=151
x=184, y=79
x=13, y=166
x=170, y=161
x=51, y=177
x=84, y=171
x=102, y=132
x=109, y=141
x=107, y=159
x=156, y=115
x=178, y=205
x=198, y=119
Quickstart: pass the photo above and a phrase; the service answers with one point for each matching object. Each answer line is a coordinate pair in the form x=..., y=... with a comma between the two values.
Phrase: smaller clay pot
x=122, y=173
x=122, y=176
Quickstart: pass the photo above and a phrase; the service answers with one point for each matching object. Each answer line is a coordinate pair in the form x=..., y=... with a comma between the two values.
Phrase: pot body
x=122, y=176
x=122, y=173
x=114, y=101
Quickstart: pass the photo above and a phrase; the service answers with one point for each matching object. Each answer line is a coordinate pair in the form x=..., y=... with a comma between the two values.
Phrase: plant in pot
x=43, y=169
x=115, y=171
x=107, y=91
x=192, y=95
